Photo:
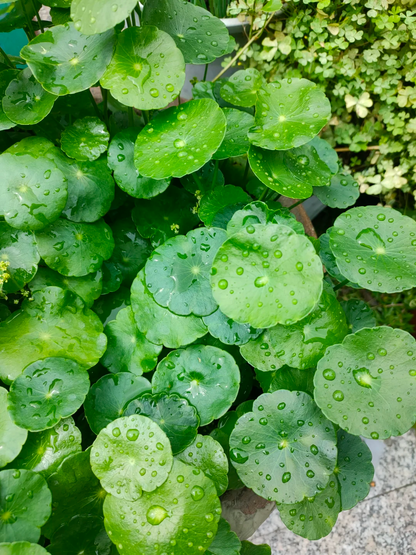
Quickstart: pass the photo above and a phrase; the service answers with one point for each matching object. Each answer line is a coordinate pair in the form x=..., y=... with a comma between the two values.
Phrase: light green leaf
x=272, y=6
x=6, y=76
x=257, y=212
x=86, y=139
x=22, y=548
x=12, y=437
x=235, y=141
x=19, y=251
x=328, y=259
x=341, y=193
x=96, y=16
x=242, y=87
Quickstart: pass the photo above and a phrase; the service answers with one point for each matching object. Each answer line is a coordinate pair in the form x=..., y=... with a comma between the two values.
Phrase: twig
x=347, y=149
x=31, y=30
x=39, y=20
x=6, y=57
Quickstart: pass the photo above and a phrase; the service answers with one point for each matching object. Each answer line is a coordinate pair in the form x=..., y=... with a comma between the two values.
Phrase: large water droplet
x=156, y=514
x=197, y=493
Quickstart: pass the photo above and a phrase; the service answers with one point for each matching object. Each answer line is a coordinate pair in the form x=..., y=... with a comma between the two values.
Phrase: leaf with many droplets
x=86, y=139
x=248, y=548
x=261, y=352
x=75, y=249
x=228, y=331
x=172, y=413
x=354, y=469
x=6, y=76
x=34, y=191
x=18, y=250
x=96, y=16
x=342, y=192
x=219, y=198
x=365, y=385
x=242, y=87
x=358, y=314
x=226, y=542
x=90, y=187
x=199, y=35
x=207, y=376
x=25, y=505
x=130, y=455
x=178, y=217
x=87, y=287
x=289, y=113
x=301, y=345
x=180, y=140
x=235, y=141
x=109, y=397
x=257, y=212
x=285, y=449
x=184, y=510
x=47, y=391
x=293, y=172
x=254, y=269
x=375, y=247
x=44, y=451
x=208, y=455
x=83, y=534
x=160, y=325
x=315, y=516
x=126, y=175
x=291, y=379
x=147, y=70
x=177, y=273
x=128, y=350
x=25, y=101
x=64, y=61
x=12, y=437
x=56, y=323
x=21, y=548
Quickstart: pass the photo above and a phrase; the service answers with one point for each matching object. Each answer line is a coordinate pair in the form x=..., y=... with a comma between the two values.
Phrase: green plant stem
x=6, y=57
x=128, y=22
x=340, y=284
x=94, y=105
x=131, y=116
x=30, y=32
x=104, y=92
x=261, y=197
x=246, y=172
x=146, y=116
x=243, y=49
x=205, y=72
x=296, y=203
x=39, y=20
x=133, y=23
x=197, y=181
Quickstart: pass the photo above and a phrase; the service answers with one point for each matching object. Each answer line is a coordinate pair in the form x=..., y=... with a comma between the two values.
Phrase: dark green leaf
x=86, y=139
x=359, y=315
x=83, y=534
x=225, y=542
x=219, y=198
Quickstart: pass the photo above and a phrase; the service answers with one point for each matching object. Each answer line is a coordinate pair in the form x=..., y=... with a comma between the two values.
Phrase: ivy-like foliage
x=144, y=234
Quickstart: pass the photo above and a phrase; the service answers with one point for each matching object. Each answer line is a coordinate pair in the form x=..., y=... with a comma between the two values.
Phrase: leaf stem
x=94, y=105
x=341, y=284
x=39, y=20
x=198, y=181
x=214, y=179
x=246, y=172
x=205, y=72
x=6, y=57
x=104, y=92
x=347, y=149
x=243, y=49
x=261, y=197
x=146, y=116
x=296, y=203
x=31, y=31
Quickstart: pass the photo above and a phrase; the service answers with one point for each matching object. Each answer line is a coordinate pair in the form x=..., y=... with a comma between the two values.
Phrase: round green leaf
x=128, y=350
x=56, y=323
x=87, y=287
x=173, y=414
x=147, y=70
x=6, y=76
x=18, y=250
x=130, y=455
x=341, y=193
x=291, y=379
x=314, y=517
x=259, y=354
x=22, y=548
x=225, y=542
x=86, y=139
x=25, y=505
x=177, y=273
x=207, y=376
x=65, y=61
x=242, y=87
x=96, y=16
x=301, y=345
x=12, y=437
x=47, y=391
x=248, y=548
x=375, y=247
x=75, y=249
x=228, y=331
x=180, y=140
x=84, y=534
x=292, y=173
x=207, y=454
x=76, y=491
x=37, y=147
x=25, y=101
x=44, y=451
x=219, y=198
x=109, y=396
x=289, y=113
x=34, y=191
x=199, y=35
x=184, y=510
x=160, y=325
x=257, y=212
x=358, y=314
x=285, y=449
x=179, y=215
x=235, y=141
x=328, y=259
x=354, y=469
x=256, y=268
x=126, y=175
x=365, y=385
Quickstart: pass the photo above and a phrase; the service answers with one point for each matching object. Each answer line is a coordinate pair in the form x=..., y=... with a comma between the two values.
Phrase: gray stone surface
x=382, y=524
